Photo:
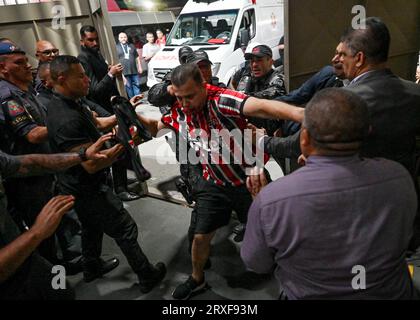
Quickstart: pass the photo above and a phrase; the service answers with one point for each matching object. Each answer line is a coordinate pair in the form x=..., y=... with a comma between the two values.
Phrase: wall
x=313, y=29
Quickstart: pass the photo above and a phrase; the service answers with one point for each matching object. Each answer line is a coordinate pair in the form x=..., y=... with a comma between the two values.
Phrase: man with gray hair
x=393, y=103
x=338, y=214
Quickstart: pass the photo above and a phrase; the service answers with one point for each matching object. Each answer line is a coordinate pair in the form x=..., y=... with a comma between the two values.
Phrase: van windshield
x=203, y=28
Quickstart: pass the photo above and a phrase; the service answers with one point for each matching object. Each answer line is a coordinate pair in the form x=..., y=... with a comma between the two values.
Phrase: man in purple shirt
x=339, y=227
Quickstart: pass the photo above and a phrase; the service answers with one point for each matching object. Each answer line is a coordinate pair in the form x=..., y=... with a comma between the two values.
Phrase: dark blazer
x=394, y=110
x=102, y=86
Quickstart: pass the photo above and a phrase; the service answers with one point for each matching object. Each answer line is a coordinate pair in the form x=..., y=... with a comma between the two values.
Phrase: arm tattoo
x=38, y=164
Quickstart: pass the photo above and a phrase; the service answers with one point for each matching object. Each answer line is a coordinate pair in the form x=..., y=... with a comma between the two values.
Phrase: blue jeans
x=133, y=85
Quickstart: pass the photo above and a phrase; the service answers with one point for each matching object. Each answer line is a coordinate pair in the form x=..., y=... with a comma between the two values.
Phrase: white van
x=221, y=28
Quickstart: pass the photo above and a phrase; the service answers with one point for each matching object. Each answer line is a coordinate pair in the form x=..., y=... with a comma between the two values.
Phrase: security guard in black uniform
x=24, y=132
x=258, y=79
x=71, y=127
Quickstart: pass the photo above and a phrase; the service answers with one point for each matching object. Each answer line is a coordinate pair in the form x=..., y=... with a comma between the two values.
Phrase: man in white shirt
x=150, y=48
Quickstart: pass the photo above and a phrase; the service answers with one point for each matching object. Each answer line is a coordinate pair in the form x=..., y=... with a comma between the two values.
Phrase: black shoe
x=239, y=232
x=93, y=271
x=184, y=290
x=73, y=268
x=132, y=180
x=156, y=275
x=128, y=196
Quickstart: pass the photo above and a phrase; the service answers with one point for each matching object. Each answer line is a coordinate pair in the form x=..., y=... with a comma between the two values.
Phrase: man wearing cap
x=159, y=95
x=265, y=82
x=261, y=80
x=201, y=59
x=23, y=130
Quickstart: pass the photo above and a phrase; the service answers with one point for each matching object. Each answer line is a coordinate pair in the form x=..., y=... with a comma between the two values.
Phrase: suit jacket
x=102, y=86
x=394, y=109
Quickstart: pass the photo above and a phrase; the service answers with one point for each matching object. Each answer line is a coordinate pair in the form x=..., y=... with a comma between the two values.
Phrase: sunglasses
x=50, y=52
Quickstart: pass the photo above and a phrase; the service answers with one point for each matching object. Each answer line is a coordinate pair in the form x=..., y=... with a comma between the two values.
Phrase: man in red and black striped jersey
x=201, y=111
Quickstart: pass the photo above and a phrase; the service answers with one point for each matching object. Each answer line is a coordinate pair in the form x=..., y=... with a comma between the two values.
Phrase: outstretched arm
x=38, y=164
x=271, y=109
x=109, y=156
x=151, y=124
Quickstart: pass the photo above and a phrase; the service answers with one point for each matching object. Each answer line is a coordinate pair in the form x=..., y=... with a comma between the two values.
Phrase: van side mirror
x=244, y=37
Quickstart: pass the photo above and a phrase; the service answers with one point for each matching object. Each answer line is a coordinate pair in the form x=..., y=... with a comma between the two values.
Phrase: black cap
x=9, y=48
x=198, y=56
x=183, y=54
x=259, y=51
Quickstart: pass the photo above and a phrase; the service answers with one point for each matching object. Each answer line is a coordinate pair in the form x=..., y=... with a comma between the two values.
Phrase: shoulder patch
x=15, y=108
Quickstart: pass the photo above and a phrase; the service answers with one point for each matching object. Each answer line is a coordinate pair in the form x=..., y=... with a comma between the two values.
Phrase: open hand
x=93, y=152
x=136, y=100
x=256, y=181
x=50, y=216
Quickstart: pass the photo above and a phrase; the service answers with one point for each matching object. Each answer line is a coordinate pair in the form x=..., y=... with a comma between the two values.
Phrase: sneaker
x=157, y=273
x=184, y=290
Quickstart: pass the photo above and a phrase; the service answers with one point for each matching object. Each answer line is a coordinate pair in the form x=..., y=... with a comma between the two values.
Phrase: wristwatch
x=82, y=154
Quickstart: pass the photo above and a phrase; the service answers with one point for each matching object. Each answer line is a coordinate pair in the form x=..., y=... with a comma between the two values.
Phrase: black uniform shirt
x=20, y=112
x=69, y=125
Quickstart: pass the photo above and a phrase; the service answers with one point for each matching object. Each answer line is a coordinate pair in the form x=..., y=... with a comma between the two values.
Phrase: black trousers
x=104, y=213
x=33, y=281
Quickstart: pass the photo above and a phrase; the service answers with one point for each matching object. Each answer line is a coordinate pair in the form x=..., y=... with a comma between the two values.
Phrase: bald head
x=123, y=38
x=46, y=51
x=336, y=122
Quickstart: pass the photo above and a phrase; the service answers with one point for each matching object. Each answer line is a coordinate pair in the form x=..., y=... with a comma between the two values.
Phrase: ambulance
x=223, y=28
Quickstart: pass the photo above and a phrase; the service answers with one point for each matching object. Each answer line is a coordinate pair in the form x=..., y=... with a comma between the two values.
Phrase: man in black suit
x=393, y=103
x=102, y=87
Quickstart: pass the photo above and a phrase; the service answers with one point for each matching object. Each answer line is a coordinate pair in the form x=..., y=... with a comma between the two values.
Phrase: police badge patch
x=15, y=108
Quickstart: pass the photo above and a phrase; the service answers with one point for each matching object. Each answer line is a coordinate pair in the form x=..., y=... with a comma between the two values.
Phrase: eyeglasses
x=50, y=52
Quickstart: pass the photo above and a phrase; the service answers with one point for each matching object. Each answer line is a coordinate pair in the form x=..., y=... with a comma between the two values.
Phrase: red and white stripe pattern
x=222, y=112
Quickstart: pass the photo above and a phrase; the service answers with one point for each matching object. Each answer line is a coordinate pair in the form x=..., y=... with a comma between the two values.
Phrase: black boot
x=151, y=276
